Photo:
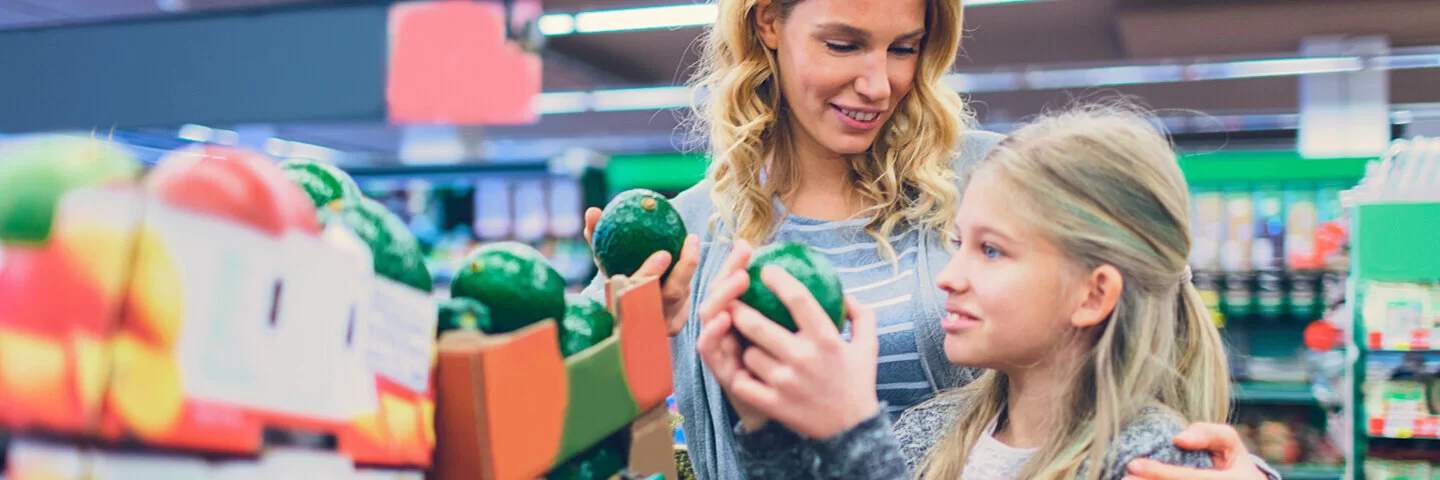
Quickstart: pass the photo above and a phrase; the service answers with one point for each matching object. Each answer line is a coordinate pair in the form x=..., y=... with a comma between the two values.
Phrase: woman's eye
x=841, y=46
x=990, y=251
x=903, y=51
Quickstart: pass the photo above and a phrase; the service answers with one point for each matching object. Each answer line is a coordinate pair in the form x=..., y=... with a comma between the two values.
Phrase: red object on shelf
x=1322, y=335
x=1426, y=427
x=450, y=63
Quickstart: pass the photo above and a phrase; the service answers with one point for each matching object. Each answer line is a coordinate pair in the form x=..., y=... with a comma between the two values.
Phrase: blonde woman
x=1069, y=283
x=828, y=125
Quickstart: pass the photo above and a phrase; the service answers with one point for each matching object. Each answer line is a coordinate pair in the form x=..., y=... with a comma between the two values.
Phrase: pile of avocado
x=506, y=286
x=338, y=200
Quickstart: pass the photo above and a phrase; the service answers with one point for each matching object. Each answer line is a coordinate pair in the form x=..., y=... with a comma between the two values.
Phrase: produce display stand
x=201, y=315
x=1394, y=246
x=497, y=421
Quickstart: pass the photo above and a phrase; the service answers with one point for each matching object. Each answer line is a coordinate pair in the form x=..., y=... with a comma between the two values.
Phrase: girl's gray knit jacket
x=873, y=450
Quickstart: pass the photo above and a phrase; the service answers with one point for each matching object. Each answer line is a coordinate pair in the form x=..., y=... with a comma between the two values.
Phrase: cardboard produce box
x=510, y=407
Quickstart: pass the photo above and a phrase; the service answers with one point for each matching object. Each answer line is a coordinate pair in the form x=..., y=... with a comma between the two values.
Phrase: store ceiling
x=1006, y=35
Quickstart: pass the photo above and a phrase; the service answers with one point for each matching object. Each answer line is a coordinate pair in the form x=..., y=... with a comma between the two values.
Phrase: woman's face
x=1010, y=296
x=844, y=66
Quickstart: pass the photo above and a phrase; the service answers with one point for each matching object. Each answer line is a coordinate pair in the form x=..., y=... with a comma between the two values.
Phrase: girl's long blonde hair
x=1104, y=185
x=907, y=176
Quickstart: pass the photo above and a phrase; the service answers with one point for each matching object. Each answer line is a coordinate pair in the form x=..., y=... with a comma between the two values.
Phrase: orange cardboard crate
x=510, y=407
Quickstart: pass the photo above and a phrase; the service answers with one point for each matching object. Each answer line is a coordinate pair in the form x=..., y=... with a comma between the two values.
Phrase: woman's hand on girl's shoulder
x=812, y=380
x=675, y=293
x=1228, y=454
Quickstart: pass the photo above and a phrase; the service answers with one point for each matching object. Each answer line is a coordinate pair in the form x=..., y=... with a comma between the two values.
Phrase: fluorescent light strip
x=655, y=98
x=647, y=18
x=651, y=98
x=653, y=18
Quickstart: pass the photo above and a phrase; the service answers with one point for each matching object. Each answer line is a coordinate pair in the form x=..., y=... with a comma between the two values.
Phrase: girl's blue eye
x=990, y=251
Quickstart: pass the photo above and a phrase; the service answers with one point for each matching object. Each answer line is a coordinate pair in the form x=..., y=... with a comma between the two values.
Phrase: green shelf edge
x=1273, y=393
x=677, y=171
x=1310, y=472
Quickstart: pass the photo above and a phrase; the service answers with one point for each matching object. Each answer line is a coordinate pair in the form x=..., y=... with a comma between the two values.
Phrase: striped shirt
x=888, y=288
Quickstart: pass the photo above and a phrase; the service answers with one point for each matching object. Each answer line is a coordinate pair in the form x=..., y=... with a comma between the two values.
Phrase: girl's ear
x=1101, y=288
x=767, y=23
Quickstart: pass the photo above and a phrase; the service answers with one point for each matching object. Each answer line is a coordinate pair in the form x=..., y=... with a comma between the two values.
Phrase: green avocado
x=587, y=322
x=36, y=172
x=636, y=224
x=515, y=281
x=396, y=252
x=463, y=314
x=807, y=265
x=600, y=462
x=322, y=181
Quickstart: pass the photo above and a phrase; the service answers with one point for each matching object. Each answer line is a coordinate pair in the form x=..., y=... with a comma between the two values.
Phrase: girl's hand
x=719, y=348
x=730, y=282
x=812, y=380
x=675, y=293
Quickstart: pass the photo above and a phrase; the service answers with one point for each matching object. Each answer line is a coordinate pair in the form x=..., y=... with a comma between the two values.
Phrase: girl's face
x=844, y=67
x=1010, y=301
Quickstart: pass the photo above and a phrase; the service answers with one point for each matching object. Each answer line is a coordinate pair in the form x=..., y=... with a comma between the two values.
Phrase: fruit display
x=633, y=226
x=561, y=415
x=223, y=305
x=175, y=282
x=807, y=265
x=514, y=281
x=69, y=213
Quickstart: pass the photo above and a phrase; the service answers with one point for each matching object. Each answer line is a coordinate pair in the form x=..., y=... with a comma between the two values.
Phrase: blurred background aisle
x=502, y=120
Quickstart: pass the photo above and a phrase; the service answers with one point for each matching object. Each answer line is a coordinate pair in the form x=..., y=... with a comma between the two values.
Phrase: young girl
x=1069, y=284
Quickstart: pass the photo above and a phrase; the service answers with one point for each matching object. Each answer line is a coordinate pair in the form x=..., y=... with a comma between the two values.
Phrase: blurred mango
x=155, y=302
x=145, y=393
x=34, y=378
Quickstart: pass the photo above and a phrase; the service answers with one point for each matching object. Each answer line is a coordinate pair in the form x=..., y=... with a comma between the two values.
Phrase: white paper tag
x=402, y=333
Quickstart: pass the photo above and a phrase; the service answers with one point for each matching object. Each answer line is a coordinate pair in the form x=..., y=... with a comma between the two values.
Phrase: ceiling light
x=646, y=18
x=652, y=98
x=195, y=133
x=557, y=24
x=651, y=18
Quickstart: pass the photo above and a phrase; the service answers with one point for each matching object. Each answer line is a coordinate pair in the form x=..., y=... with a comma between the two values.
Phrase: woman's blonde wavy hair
x=907, y=176
x=1103, y=184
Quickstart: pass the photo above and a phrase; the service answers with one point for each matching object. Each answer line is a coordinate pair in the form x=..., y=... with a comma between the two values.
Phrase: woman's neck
x=821, y=188
x=1034, y=404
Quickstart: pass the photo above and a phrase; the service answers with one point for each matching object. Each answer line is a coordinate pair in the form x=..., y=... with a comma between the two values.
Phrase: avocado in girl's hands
x=807, y=265
x=634, y=225
x=515, y=281
x=586, y=323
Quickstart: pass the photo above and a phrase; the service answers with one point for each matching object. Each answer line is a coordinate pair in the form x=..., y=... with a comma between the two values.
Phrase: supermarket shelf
x=1404, y=426
x=1273, y=393
x=1307, y=472
x=1417, y=341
